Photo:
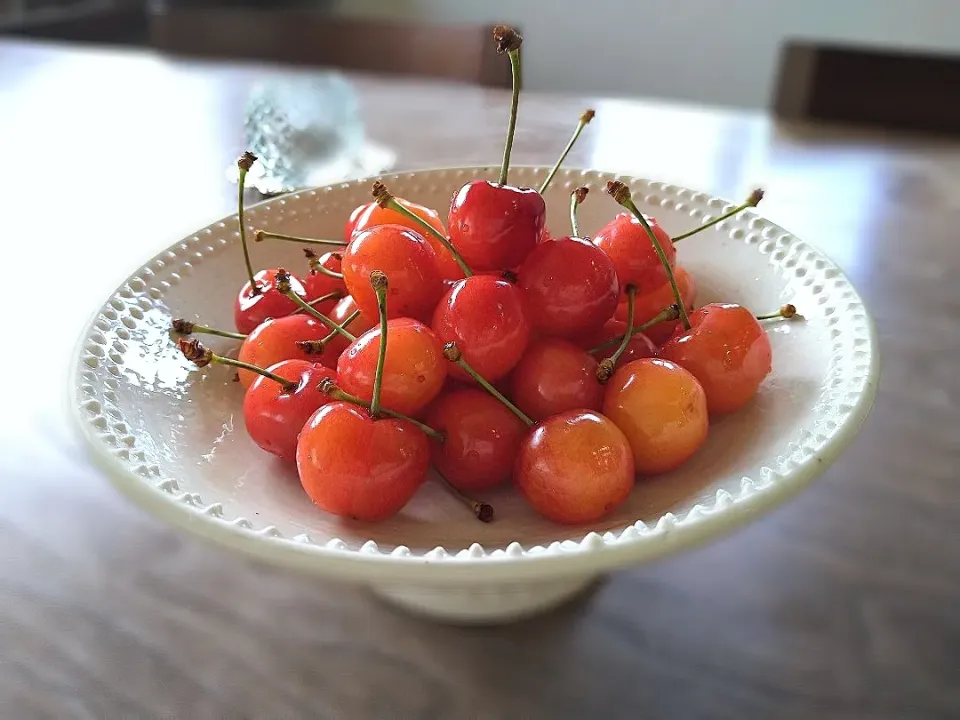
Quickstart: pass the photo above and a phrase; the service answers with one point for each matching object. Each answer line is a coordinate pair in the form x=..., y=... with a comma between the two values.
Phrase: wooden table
x=844, y=604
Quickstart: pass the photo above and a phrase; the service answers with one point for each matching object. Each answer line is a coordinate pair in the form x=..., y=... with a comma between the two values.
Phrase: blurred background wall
x=711, y=51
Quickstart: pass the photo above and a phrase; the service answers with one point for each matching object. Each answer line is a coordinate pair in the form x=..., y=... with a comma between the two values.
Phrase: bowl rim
x=593, y=554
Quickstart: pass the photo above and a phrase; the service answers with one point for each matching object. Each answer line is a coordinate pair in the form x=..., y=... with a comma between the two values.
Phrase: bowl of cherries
x=476, y=415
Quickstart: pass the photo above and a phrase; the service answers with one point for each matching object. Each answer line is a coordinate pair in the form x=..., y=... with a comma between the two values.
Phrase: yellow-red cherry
x=554, y=376
x=252, y=307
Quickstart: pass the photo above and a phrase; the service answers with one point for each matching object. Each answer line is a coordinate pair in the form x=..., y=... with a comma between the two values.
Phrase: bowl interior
x=182, y=429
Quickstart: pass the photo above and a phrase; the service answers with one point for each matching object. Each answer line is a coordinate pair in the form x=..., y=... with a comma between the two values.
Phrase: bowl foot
x=470, y=604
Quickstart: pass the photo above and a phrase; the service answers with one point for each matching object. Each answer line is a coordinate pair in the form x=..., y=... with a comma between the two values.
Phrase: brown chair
x=885, y=89
x=305, y=37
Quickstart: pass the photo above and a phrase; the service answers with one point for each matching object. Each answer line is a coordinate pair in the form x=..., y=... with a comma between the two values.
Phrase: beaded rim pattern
x=854, y=369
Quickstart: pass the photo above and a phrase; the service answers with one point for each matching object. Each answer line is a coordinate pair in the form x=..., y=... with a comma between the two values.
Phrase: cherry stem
x=379, y=282
x=787, y=312
x=334, y=294
x=755, y=197
x=244, y=164
x=329, y=388
x=670, y=313
x=385, y=199
x=584, y=121
x=606, y=367
x=282, y=284
x=481, y=510
x=316, y=267
x=194, y=351
x=509, y=40
x=576, y=197
x=333, y=333
x=262, y=235
x=621, y=193
x=185, y=327
x=452, y=353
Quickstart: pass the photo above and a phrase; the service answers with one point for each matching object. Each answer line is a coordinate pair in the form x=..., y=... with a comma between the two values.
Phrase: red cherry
x=406, y=258
x=554, y=376
x=575, y=467
x=351, y=223
x=253, y=308
x=375, y=215
x=727, y=350
x=487, y=319
x=319, y=284
x=628, y=245
x=414, y=370
x=354, y=466
x=343, y=311
x=276, y=340
x=495, y=226
x=482, y=439
x=274, y=415
x=650, y=304
x=570, y=285
x=662, y=410
x=639, y=346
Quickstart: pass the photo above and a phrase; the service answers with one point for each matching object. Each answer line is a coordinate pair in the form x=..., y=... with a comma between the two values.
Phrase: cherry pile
x=487, y=348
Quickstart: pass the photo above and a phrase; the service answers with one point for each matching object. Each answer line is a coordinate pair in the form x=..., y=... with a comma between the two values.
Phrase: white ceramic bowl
x=172, y=437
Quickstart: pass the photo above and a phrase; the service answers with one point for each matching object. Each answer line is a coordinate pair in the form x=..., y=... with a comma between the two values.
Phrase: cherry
x=284, y=287
x=403, y=354
x=481, y=440
x=276, y=340
x=260, y=300
x=648, y=305
x=662, y=410
x=425, y=222
x=355, y=465
x=495, y=225
x=409, y=261
x=351, y=223
x=324, y=284
x=554, y=376
x=575, y=467
x=569, y=283
x=727, y=350
x=487, y=318
x=625, y=241
x=278, y=403
x=609, y=336
x=346, y=314
x=752, y=201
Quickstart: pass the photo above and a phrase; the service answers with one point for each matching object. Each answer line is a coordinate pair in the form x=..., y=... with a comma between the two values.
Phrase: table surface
x=843, y=604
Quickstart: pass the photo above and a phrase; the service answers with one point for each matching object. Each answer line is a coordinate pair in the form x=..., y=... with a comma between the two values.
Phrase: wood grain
x=841, y=605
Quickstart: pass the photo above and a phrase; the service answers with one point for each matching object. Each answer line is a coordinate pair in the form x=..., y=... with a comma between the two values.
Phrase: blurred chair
x=305, y=36
x=886, y=89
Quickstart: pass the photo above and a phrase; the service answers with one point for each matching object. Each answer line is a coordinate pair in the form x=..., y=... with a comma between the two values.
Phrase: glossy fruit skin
x=482, y=439
x=276, y=340
x=250, y=310
x=409, y=263
x=353, y=466
x=727, y=350
x=341, y=311
x=318, y=284
x=351, y=223
x=575, y=467
x=495, y=226
x=374, y=215
x=628, y=245
x=413, y=373
x=273, y=417
x=649, y=305
x=640, y=346
x=570, y=285
x=662, y=409
x=487, y=318
x=555, y=376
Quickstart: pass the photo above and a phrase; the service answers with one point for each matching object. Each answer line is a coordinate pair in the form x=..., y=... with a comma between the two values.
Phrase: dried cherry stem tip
x=261, y=235
x=752, y=201
x=186, y=327
x=452, y=353
x=585, y=119
x=509, y=41
x=194, y=351
x=481, y=510
x=787, y=311
x=329, y=388
x=244, y=163
x=385, y=199
x=621, y=193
